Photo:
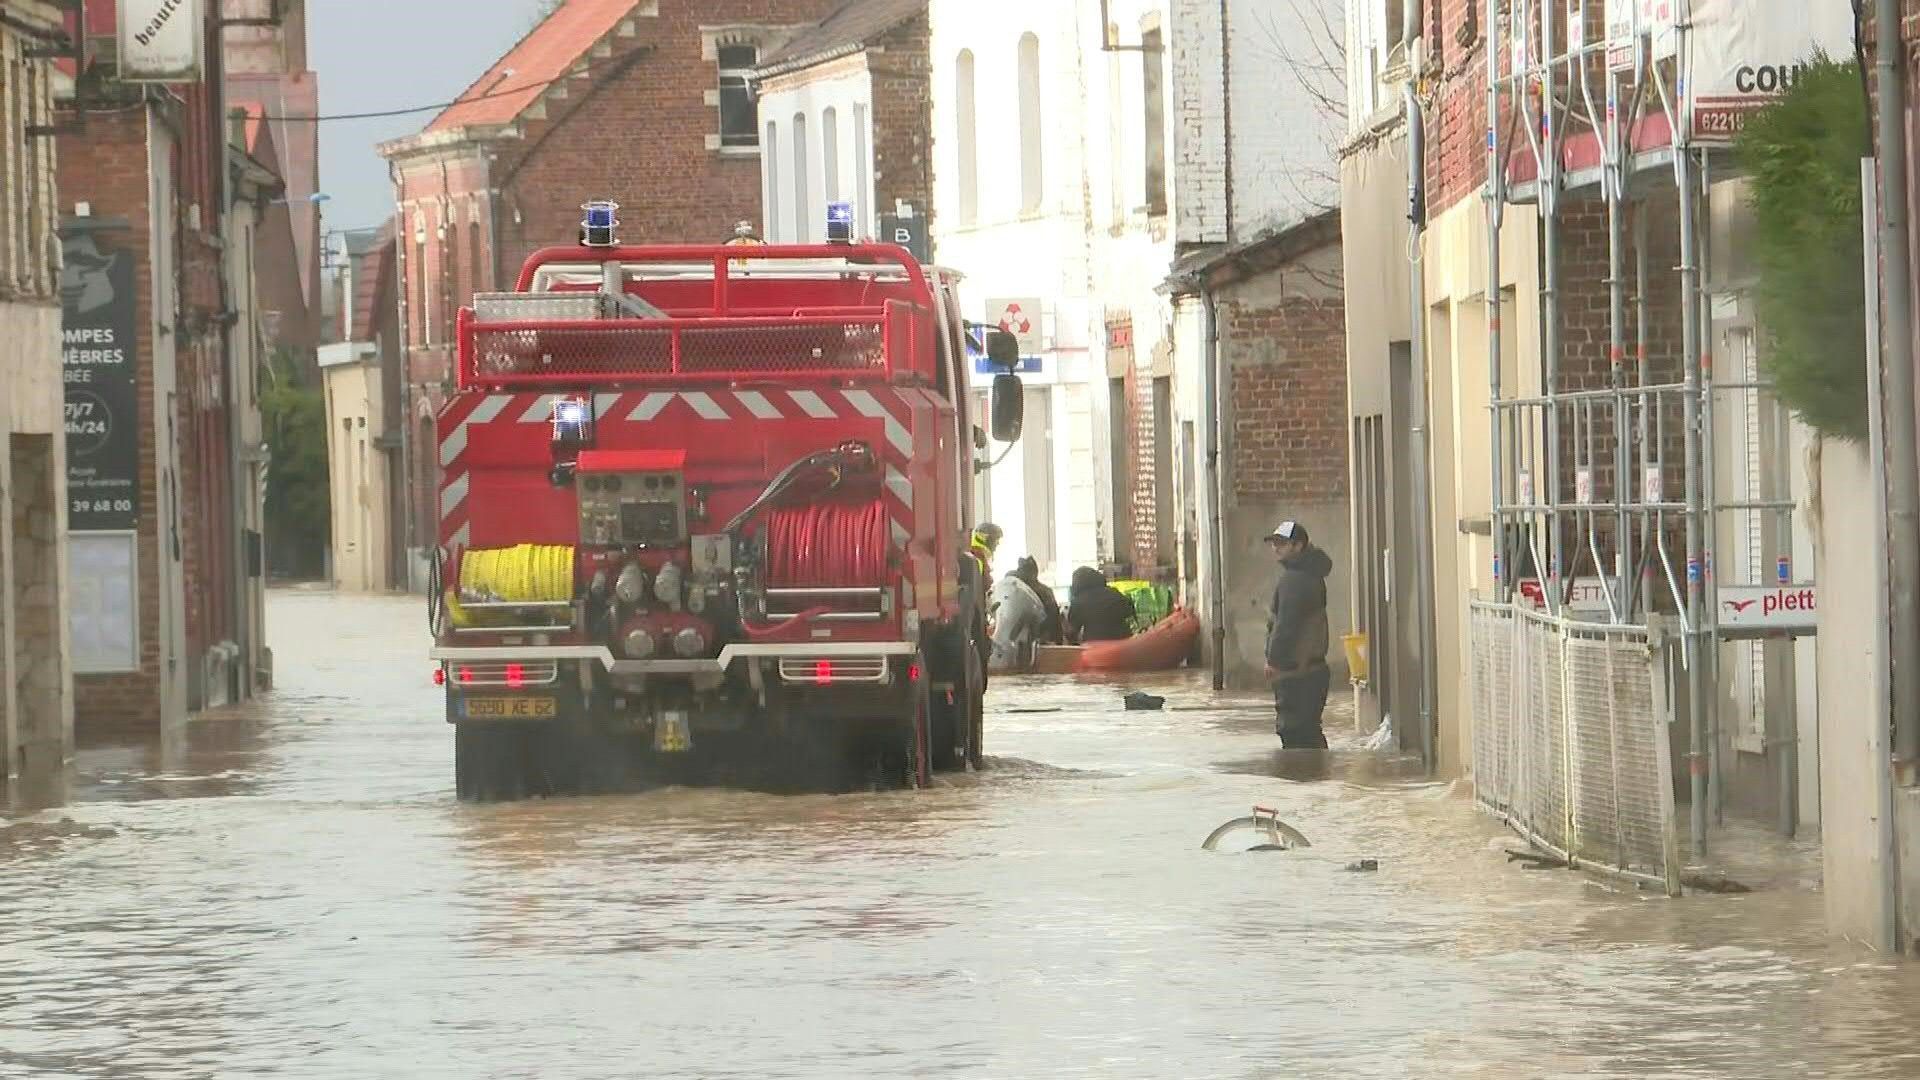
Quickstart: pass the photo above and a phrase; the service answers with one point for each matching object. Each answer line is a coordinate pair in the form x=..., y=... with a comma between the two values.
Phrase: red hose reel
x=827, y=546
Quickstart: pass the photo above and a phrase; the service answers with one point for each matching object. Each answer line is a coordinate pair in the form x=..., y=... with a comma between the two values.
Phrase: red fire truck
x=704, y=514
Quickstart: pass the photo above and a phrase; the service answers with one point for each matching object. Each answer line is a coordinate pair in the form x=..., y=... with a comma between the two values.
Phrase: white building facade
x=1074, y=163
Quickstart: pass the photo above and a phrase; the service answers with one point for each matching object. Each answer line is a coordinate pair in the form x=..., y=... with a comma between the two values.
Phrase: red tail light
x=466, y=674
x=913, y=672
x=516, y=676
x=823, y=672
x=439, y=676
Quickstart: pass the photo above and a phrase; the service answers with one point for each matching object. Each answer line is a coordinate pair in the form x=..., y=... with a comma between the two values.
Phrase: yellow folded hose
x=525, y=574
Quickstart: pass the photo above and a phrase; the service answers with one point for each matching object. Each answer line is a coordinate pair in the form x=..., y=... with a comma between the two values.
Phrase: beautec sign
x=1768, y=607
x=160, y=40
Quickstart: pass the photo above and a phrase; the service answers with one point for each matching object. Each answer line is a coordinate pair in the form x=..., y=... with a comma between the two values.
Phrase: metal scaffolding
x=1607, y=488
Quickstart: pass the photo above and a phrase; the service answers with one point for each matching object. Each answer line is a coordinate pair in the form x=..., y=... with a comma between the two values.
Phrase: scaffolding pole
x=1549, y=89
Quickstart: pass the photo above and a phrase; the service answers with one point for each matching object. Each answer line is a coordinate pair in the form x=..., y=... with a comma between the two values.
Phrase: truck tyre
x=489, y=764
x=976, y=714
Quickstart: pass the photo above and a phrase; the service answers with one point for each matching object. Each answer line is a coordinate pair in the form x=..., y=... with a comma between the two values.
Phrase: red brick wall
x=1147, y=556
x=106, y=165
x=1288, y=392
x=901, y=70
x=638, y=135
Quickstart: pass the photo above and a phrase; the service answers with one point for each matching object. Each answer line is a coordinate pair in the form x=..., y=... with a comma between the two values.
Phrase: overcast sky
x=374, y=55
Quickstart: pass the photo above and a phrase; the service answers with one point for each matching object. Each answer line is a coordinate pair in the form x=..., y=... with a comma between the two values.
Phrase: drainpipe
x=1903, y=465
x=1216, y=543
x=403, y=345
x=1495, y=199
x=1424, y=583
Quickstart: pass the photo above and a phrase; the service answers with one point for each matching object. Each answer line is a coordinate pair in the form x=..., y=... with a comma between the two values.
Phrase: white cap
x=1286, y=530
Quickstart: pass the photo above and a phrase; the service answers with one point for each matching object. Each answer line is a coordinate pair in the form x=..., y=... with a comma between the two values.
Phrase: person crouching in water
x=1096, y=611
x=1297, y=638
x=1021, y=618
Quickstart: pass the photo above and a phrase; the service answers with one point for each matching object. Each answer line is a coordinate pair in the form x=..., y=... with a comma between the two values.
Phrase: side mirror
x=1003, y=350
x=1009, y=407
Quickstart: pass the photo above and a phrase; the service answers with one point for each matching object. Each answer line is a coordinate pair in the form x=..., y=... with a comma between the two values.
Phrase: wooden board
x=1056, y=659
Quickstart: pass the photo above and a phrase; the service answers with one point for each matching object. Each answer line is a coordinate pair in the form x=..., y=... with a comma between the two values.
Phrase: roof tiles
x=544, y=56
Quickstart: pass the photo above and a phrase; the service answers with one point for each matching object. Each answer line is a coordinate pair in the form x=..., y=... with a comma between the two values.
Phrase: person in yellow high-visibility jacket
x=980, y=548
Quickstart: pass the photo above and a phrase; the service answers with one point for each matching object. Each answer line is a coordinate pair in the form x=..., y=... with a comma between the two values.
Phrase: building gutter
x=1424, y=582
x=1903, y=463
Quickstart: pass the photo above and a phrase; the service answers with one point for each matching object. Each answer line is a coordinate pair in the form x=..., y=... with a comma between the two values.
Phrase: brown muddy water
x=291, y=890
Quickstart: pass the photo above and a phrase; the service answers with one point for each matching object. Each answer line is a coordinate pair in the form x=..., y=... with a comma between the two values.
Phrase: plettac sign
x=1784, y=608
x=161, y=40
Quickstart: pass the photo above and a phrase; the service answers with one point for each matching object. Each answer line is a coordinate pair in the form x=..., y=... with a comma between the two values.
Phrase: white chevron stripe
x=811, y=404
x=603, y=404
x=455, y=443
x=902, y=490
x=757, y=404
x=650, y=406
x=863, y=401
x=461, y=537
x=541, y=410
x=453, y=494
x=704, y=404
x=900, y=536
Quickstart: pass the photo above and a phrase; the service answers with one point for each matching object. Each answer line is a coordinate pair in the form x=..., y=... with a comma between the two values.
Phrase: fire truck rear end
x=704, y=515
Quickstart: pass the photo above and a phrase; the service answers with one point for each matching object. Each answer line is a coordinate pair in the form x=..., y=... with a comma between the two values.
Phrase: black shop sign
x=99, y=310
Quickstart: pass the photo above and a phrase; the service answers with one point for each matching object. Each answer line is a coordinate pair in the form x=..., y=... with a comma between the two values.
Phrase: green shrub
x=299, y=517
x=1803, y=153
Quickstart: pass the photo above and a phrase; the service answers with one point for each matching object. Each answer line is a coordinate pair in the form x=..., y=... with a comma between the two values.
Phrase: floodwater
x=292, y=891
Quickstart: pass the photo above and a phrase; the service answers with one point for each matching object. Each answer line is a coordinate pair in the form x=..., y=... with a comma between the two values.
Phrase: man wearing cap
x=1297, y=638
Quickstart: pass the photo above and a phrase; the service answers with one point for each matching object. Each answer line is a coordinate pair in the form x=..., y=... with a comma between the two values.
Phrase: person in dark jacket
x=1053, y=629
x=1096, y=611
x=1297, y=638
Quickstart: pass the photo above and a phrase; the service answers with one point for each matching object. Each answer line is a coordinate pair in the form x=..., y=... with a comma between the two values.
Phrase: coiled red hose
x=827, y=546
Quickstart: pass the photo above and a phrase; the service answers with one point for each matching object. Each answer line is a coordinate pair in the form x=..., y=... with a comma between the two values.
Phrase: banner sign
x=1769, y=607
x=909, y=232
x=1019, y=316
x=160, y=40
x=99, y=321
x=1745, y=54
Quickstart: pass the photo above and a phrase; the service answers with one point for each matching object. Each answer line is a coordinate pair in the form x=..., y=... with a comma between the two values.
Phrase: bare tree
x=1304, y=43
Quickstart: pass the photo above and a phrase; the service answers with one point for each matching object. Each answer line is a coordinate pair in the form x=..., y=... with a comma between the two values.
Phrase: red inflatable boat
x=1164, y=645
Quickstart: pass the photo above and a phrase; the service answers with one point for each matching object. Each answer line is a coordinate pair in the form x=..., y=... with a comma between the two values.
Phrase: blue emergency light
x=597, y=227
x=839, y=223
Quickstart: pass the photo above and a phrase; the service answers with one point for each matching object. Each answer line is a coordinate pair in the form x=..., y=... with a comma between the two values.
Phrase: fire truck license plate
x=511, y=708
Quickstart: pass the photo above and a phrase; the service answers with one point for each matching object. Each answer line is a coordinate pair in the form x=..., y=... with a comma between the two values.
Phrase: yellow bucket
x=1356, y=656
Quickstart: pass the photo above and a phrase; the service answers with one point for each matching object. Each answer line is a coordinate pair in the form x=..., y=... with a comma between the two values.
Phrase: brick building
x=165, y=506
x=1280, y=320
x=640, y=101
x=266, y=71
x=36, y=680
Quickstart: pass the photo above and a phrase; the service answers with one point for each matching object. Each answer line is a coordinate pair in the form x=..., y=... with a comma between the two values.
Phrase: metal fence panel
x=1570, y=740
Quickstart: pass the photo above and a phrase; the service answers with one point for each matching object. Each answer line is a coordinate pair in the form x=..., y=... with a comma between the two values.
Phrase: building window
x=1030, y=175
x=802, y=198
x=830, y=151
x=1153, y=71
x=477, y=260
x=862, y=183
x=967, y=136
x=420, y=335
x=449, y=281
x=770, y=154
x=739, y=116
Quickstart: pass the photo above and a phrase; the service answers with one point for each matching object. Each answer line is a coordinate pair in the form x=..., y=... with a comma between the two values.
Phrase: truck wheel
x=488, y=764
x=920, y=736
x=976, y=714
